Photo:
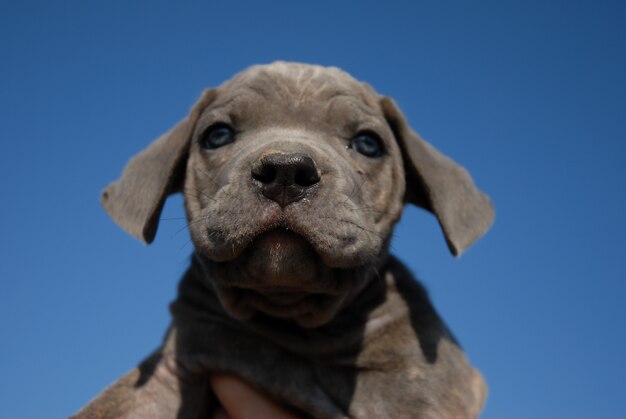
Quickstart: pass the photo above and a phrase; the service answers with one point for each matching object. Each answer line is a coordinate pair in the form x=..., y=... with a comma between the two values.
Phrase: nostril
x=285, y=177
x=307, y=177
x=264, y=173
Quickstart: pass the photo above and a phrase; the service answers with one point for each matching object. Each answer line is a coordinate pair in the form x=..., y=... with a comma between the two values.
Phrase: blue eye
x=216, y=136
x=368, y=144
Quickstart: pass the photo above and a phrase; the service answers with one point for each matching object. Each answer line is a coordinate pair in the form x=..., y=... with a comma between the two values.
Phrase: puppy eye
x=368, y=144
x=216, y=136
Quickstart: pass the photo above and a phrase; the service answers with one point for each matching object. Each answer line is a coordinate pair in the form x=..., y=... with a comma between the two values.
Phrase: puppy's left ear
x=439, y=185
x=136, y=199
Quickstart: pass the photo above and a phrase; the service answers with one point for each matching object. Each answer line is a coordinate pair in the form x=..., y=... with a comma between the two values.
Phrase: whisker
x=192, y=222
x=185, y=245
x=197, y=220
x=210, y=198
x=370, y=209
x=201, y=194
x=382, y=236
x=354, y=189
x=180, y=230
x=212, y=180
x=380, y=281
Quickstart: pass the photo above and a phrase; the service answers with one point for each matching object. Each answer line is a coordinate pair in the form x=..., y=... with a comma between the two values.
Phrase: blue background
x=529, y=96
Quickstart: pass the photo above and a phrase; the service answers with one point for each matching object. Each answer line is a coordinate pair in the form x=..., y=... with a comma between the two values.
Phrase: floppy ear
x=439, y=185
x=136, y=199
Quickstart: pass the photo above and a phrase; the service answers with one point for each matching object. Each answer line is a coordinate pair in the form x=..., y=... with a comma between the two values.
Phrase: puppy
x=294, y=176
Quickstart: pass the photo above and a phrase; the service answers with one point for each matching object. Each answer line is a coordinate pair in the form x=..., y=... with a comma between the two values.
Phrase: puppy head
x=294, y=176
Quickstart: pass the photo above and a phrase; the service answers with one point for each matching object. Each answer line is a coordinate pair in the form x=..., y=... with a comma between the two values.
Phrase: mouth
x=284, y=266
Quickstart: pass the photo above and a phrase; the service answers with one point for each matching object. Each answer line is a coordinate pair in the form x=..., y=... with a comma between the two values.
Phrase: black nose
x=285, y=177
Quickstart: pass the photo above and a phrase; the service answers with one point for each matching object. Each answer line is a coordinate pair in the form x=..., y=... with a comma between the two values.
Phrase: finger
x=242, y=401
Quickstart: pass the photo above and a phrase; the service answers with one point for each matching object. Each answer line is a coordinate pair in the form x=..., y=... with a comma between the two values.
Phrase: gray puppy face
x=294, y=176
x=290, y=215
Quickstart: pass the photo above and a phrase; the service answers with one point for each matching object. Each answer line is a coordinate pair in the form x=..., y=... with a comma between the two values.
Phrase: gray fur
x=301, y=299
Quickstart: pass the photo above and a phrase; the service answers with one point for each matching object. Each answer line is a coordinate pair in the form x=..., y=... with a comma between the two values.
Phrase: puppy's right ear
x=136, y=199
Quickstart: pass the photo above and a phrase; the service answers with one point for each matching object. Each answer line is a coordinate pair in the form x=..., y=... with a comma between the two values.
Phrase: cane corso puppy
x=294, y=176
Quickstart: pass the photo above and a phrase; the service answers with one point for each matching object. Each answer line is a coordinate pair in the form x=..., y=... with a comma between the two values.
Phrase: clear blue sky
x=529, y=95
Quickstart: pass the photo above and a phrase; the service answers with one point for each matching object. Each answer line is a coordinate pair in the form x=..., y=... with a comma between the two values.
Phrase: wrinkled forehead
x=297, y=92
